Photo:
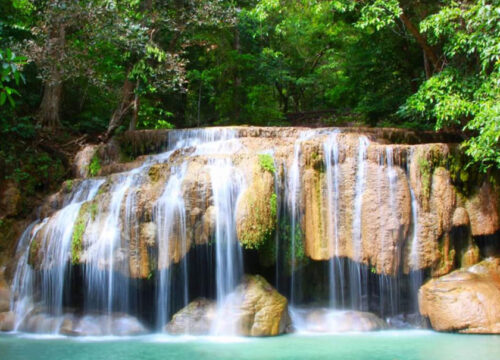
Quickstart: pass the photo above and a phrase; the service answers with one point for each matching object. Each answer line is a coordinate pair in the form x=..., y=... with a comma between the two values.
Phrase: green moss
x=425, y=175
x=273, y=202
x=68, y=185
x=34, y=249
x=87, y=211
x=93, y=210
x=266, y=162
x=154, y=173
x=95, y=165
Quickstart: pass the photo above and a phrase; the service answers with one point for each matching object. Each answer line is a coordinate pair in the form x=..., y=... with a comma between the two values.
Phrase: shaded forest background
x=76, y=71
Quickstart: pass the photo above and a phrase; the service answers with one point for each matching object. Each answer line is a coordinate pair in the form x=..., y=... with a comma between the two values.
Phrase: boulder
x=255, y=308
x=466, y=300
x=4, y=294
x=82, y=161
x=7, y=321
x=195, y=319
x=334, y=321
x=263, y=311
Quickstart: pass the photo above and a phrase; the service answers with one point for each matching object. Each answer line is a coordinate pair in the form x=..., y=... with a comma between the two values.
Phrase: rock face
x=467, y=300
x=384, y=237
x=256, y=308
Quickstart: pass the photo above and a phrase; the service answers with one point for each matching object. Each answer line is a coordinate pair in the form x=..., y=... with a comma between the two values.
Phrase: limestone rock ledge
x=466, y=300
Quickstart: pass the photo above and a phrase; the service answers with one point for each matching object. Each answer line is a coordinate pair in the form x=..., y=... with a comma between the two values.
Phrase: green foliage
x=467, y=92
x=95, y=165
x=68, y=185
x=266, y=162
x=273, y=203
x=10, y=74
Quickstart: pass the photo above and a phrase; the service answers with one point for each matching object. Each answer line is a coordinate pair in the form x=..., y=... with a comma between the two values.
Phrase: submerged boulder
x=195, y=319
x=255, y=308
x=334, y=321
x=115, y=324
x=467, y=300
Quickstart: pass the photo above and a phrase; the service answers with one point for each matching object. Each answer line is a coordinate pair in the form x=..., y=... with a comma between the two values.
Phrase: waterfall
x=227, y=186
x=186, y=234
x=388, y=285
x=56, y=245
x=335, y=265
x=170, y=218
x=21, y=302
x=103, y=289
x=357, y=273
x=293, y=194
x=416, y=276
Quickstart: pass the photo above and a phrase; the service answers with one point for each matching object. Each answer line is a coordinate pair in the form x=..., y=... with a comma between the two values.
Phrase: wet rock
x=333, y=321
x=7, y=321
x=255, y=308
x=41, y=323
x=467, y=300
x=256, y=212
x=263, y=311
x=195, y=319
x=82, y=161
x=4, y=294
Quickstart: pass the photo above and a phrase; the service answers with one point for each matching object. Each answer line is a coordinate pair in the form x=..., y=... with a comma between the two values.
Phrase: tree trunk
x=135, y=107
x=126, y=103
x=422, y=41
x=49, y=110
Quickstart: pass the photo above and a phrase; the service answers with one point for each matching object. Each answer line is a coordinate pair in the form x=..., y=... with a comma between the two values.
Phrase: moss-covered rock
x=256, y=212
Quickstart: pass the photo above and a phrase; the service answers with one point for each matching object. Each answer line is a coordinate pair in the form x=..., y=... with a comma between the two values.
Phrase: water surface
x=385, y=345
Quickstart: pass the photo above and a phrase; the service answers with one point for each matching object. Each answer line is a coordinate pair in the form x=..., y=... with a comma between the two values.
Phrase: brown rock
x=467, y=300
x=7, y=321
x=256, y=212
x=82, y=161
x=460, y=217
x=254, y=309
x=10, y=199
x=195, y=319
x=483, y=210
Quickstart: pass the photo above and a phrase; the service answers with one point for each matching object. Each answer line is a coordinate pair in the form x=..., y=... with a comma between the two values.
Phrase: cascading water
x=21, y=302
x=107, y=274
x=416, y=277
x=335, y=265
x=293, y=198
x=357, y=273
x=227, y=186
x=170, y=217
x=388, y=284
x=55, y=247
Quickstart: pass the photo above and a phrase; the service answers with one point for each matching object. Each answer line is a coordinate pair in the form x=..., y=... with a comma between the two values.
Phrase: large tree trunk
x=49, y=110
x=422, y=41
x=126, y=104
